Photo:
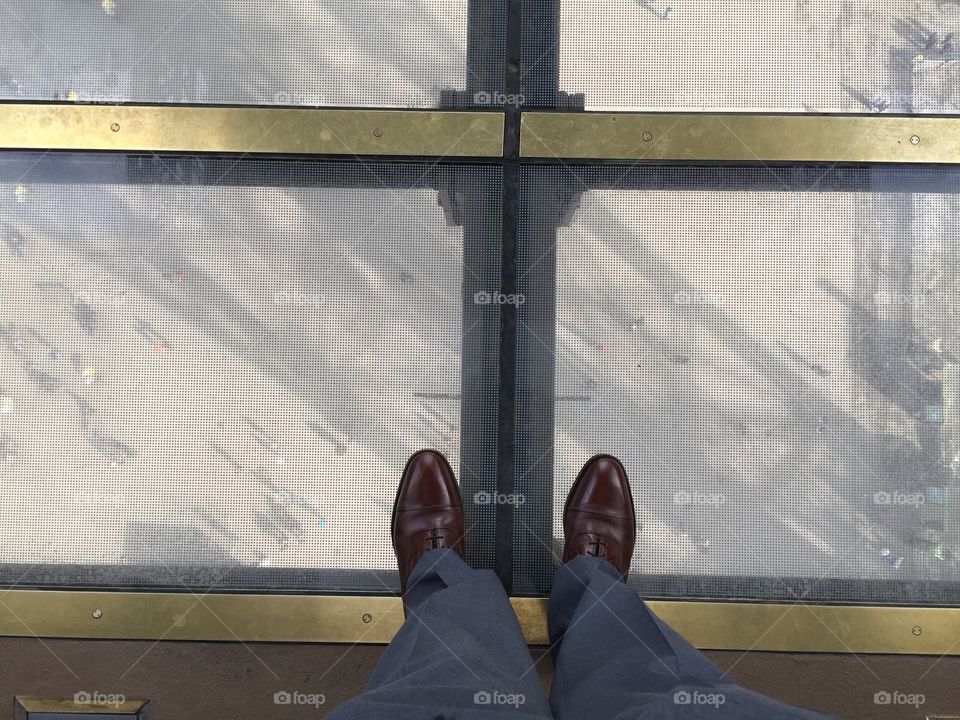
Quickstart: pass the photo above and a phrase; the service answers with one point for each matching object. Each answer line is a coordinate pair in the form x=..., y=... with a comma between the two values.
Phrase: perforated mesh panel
x=774, y=356
x=764, y=55
x=250, y=53
x=215, y=370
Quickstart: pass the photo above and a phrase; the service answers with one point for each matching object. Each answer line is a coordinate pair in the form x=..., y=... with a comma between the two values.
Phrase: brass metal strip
x=251, y=130
x=814, y=628
x=745, y=138
x=359, y=619
x=70, y=707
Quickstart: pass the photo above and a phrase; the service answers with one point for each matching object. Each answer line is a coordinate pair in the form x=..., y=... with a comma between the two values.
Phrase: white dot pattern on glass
x=223, y=381
x=770, y=352
x=245, y=53
x=762, y=56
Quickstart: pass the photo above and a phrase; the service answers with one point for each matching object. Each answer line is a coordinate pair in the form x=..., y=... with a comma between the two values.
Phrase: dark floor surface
x=215, y=681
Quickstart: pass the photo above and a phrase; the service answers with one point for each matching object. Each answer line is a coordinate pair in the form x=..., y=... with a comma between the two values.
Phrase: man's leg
x=616, y=659
x=460, y=653
x=612, y=657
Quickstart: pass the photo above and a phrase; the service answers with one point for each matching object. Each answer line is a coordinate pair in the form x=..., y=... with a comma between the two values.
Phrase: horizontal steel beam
x=741, y=137
x=372, y=619
x=134, y=128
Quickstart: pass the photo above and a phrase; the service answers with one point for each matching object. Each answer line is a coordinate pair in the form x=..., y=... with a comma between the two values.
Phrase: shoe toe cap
x=428, y=482
x=603, y=488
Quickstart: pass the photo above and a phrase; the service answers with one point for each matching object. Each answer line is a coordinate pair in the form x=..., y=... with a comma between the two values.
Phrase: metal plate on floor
x=89, y=705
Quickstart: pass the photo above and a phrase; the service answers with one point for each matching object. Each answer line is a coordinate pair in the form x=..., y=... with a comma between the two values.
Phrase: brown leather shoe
x=599, y=518
x=428, y=512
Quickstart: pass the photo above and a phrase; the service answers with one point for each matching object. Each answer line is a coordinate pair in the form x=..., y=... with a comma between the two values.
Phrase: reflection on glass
x=778, y=368
x=765, y=55
x=223, y=51
x=226, y=374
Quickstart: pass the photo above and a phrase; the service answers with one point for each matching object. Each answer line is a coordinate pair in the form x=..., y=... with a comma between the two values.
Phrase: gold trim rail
x=435, y=133
x=135, y=128
x=373, y=620
x=740, y=137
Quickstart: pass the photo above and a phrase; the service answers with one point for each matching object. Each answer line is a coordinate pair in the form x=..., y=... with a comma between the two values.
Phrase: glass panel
x=774, y=354
x=212, y=371
x=248, y=53
x=764, y=55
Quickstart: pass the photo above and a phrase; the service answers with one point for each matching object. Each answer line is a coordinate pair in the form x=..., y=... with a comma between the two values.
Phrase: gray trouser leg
x=615, y=659
x=460, y=653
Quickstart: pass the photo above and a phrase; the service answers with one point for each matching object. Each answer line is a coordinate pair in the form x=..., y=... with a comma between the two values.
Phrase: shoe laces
x=436, y=540
x=598, y=548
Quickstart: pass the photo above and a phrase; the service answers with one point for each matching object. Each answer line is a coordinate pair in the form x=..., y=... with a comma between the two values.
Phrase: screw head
x=915, y=140
x=377, y=132
x=917, y=630
x=367, y=618
x=115, y=127
x=647, y=136
x=97, y=614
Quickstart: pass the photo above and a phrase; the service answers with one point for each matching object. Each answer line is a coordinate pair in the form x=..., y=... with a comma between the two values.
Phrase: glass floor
x=219, y=381
x=213, y=368
x=795, y=56
x=330, y=53
x=772, y=353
